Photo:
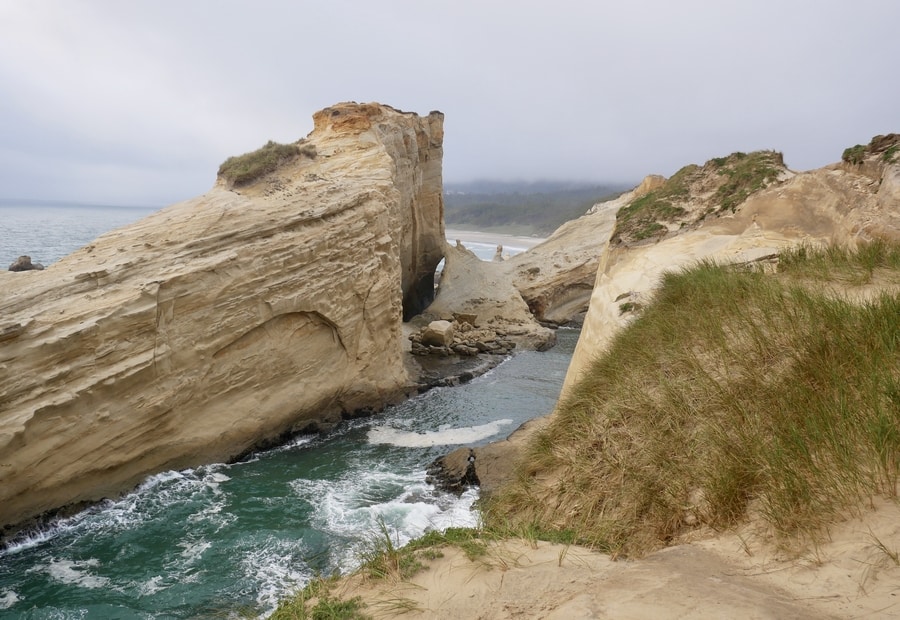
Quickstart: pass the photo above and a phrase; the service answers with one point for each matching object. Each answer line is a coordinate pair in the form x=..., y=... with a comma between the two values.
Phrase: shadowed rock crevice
x=418, y=297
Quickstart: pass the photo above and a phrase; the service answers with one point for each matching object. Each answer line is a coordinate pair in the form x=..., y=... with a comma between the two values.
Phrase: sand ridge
x=732, y=575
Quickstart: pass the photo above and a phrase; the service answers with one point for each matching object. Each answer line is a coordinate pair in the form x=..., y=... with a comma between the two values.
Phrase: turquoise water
x=217, y=540
x=210, y=541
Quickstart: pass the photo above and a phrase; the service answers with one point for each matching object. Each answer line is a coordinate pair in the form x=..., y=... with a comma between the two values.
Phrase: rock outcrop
x=214, y=325
x=556, y=277
x=841, y=203
x=485, y=290
x=23, y=263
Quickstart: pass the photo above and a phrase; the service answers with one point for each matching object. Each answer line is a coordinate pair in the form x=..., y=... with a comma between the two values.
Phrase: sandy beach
x=738, y=574
x=509, y=242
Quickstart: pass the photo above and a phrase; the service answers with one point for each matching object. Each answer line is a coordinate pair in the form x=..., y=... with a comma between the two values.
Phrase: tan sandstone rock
x=470, y=286
x=224, y=321
x=438, y=334
x=828, y=204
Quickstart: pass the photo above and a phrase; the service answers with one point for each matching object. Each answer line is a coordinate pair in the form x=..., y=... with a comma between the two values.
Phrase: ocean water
x=223, y=539
x=47, y=232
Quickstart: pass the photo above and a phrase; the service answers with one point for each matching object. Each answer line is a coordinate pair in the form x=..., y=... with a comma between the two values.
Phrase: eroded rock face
x=836, y=203
x=218, y=323
x=482, y=289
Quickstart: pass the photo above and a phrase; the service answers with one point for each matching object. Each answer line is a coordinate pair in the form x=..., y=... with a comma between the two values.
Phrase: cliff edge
x=271, y=304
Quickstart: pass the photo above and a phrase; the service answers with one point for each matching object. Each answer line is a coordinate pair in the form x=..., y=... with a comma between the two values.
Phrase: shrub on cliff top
x=854, y=154
x=642, y=218
x=746, y=174
x=885, y=146
x=734, y=392
x=676, y=202
x=246, y=168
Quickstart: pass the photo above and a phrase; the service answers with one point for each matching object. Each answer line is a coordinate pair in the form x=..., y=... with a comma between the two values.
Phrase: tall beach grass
x=735, y=393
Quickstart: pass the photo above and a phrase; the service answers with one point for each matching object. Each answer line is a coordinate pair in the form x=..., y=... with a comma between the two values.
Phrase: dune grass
x=382, y=558
x=243, y=169
x=318, y=602
x=735, y=392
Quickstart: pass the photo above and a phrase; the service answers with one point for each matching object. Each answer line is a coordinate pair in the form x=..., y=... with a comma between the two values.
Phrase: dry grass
x=243, y=169
x=732, y=390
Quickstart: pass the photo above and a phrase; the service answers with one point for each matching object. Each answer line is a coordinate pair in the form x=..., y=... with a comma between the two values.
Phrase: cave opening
x=419, y=296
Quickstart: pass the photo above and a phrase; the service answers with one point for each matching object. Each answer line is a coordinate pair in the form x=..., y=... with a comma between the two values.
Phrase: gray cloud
x=139, y=102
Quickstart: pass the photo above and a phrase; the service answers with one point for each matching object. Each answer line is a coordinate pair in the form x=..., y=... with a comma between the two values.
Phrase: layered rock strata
x=223, y=321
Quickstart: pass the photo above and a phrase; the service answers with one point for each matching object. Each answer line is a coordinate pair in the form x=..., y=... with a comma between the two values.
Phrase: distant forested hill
x=538, y=207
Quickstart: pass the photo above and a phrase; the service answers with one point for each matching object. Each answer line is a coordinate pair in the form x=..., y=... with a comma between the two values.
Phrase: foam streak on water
x=442, y=437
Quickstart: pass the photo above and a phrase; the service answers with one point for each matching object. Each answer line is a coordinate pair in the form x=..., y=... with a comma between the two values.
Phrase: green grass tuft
x=733, y=392
x=854, y=154
x=641, y=219
x=746, y=174
x=317, y=602
x=243, y=169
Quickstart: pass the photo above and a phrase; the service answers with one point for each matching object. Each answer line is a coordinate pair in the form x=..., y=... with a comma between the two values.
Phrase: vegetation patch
x=745, y=174
x=642, y=218
x=694, y=192
x=854, y=154
x=885, y=148
x=243, y=169
x=318, y=602
x=735, y=393
x=629, y=306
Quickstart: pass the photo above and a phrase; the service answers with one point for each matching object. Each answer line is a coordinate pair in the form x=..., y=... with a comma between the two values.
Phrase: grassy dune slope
x=736, y=393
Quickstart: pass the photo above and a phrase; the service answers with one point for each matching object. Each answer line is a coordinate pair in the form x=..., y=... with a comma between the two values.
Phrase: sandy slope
x=734, y=575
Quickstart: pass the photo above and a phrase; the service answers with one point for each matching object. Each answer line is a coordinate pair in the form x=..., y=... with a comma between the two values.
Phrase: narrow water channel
x=219, y=539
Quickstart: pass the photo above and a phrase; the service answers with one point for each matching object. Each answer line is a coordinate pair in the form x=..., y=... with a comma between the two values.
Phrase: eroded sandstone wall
x=829, y=204
x=223, y=321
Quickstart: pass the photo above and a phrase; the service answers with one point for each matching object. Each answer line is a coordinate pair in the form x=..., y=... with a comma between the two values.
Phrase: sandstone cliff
x=842, y=203
x=262, y=307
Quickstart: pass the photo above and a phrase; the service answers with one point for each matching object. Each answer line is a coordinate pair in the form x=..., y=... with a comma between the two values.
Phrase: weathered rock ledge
x=217, y=323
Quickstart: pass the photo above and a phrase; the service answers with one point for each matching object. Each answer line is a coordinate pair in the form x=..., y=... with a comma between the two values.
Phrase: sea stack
x=271, y=304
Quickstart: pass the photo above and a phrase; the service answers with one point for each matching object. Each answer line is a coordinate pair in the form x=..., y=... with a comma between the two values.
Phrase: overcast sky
x=138, y=102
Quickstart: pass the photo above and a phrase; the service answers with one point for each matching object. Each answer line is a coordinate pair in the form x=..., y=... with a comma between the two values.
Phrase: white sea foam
x=152, y=586
x=274, y=570
x=193, y=550
x=8, y=598
x=75, y=573
x=354, y=509
x=442, y=437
